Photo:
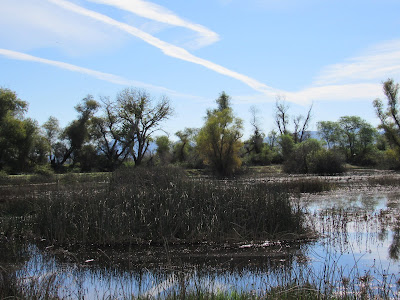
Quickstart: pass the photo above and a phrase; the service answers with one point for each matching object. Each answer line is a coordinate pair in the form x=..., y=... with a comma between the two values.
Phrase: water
x=359, y=247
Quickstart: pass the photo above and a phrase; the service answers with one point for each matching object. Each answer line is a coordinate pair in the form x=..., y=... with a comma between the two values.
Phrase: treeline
x=109, y=133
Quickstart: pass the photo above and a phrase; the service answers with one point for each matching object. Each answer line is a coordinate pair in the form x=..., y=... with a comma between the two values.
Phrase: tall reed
x=163, y=205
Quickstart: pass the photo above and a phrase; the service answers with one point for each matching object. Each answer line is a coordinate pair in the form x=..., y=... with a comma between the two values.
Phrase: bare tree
x=300, y=129
x=107, y=132
x=281, y=114
x=282, y=120
x=140, y=119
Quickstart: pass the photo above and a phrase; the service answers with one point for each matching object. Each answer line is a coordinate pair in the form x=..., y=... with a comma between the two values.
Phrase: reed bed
x=158, y=205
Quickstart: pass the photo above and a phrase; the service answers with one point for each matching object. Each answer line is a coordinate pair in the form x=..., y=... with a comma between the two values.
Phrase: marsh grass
x=152, y=205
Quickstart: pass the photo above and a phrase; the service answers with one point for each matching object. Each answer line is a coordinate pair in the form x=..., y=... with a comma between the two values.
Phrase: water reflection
x=359, y=248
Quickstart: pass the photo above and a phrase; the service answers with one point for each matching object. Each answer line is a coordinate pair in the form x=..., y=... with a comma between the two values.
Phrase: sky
x=333, y=55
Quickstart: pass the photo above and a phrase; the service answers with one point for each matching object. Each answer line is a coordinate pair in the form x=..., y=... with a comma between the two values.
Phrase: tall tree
x=17, y=135
x=108, y=133
x=140, y=119
x=330, y=132
x=219, y=139
x=52, y=131
x=76, y=134
x=300, y=122
x=389, y=115
x=281, y=115
x=184, y=146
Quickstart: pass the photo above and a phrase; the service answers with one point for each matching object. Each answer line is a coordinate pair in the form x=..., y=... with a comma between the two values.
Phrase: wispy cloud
x=36, y=24
x=339, y=92
x=342, y=92
x=166, y=48
x=378, y=63
x=159, y=13
x=93, y=73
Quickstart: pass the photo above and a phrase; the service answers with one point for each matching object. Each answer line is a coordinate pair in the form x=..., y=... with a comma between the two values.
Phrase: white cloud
x=166, y=48
x=161, y=14
x=344, y=92
x=33, y=24
x=377, y=64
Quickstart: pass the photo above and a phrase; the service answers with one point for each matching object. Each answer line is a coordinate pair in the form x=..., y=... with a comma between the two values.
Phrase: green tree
x=219, y=139
x=17, y=134
x=330, y=132
x=185, y=146
x=357, y=137
x=389, y=115
x=255, y=150
x=76, y=134
x=299, y=160
x=163, y=149
x=51, y=133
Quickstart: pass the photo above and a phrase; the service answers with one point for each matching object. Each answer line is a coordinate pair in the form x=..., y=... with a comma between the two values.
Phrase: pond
x=357, y=252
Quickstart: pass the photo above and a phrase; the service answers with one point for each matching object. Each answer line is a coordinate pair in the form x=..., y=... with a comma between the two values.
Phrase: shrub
x=326, y=162
x=300, y=158
x=392, y=159
x=44, y=170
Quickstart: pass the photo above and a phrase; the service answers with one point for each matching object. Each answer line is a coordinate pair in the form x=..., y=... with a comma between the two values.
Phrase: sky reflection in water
x=361, y=237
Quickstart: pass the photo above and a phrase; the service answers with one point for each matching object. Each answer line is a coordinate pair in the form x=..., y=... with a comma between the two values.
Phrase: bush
x=300, y=158
x=392, y=159
x=44, y=170
x=326, y=162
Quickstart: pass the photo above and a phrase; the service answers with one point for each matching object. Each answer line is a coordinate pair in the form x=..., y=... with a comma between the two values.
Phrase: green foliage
x=326, y=162
x=218, y=142
x=330, y=132
x=20, y=142
x=286, y=144
x=390, y=122
x=163, y=149
x=299, y=160
x=353, y=137
x=44, y=170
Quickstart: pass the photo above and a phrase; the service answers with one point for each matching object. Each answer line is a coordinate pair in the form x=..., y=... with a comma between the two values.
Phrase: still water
x=359, y=245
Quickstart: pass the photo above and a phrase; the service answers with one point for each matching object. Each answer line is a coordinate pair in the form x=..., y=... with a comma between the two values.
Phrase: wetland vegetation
x=95, y=212
x=149, y=233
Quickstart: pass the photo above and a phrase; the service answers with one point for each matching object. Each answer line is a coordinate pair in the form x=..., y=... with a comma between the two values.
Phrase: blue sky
x=334, y=54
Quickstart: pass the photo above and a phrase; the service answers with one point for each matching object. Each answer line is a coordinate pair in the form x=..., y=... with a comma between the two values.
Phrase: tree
x=330, y=132
x=140, y=119
x=300, y=122
x=219, y=139
x=389, y=115
x=76, y=134
x=51, y=130
x=163, y=149
x=356, y=134
x=108, y=134
x=184, y=147
x=255, y=150
x=17, y=135
x=281, y=115
x=299, y=159
x=300, y=129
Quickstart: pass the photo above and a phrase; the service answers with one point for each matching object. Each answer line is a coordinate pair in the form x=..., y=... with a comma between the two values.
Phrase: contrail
x=166, y=48
x=158, y=13
x=97, y=74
